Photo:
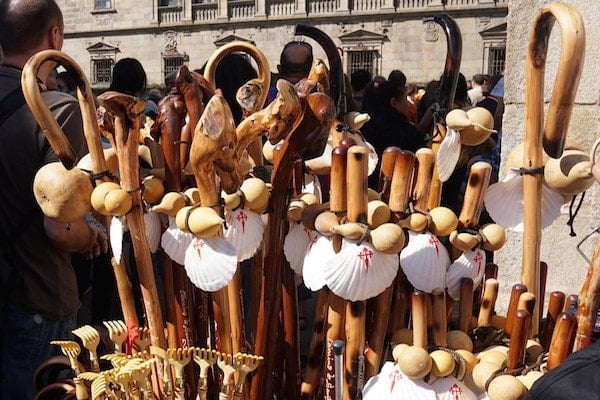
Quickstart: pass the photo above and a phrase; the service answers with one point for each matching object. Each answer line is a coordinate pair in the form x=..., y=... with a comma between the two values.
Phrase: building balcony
x=236, y=10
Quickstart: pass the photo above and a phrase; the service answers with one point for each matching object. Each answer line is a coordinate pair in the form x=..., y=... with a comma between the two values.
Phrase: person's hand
x=99, y=243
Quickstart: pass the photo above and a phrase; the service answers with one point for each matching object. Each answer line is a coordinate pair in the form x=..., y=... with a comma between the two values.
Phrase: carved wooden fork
x=205, y=358
x=90, y=339
x=70, y=349
x=225, y=362
x=179, y=358
x=117, y=331
x=244, y=363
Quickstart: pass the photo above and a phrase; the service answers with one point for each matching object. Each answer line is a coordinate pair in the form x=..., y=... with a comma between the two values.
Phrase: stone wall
x=566, y=267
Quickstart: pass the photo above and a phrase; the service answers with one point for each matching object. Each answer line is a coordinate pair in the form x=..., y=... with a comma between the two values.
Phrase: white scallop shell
x=210, y=263
x=391, y=384
x=359, y=271
x=312, y=185
x=448, y=154
x=373, y=158
x=470, y=264
x=296, y=245
x=317, y=255
x=175, y=242
x=244, y=231
x=450, y=388
x=116, y=230
x=504, y=202
x=424, y=261
x=153, y=229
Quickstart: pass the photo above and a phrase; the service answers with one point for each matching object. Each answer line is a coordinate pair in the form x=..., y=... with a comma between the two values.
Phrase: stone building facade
x=380, y=35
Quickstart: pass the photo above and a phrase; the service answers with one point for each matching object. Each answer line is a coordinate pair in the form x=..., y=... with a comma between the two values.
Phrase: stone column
x=187, y=12
x=260, y=7
x=222, y=10
x=154, y=20
x=300, y=7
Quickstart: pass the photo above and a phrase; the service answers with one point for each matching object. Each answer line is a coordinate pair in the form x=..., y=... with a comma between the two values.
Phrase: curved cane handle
x=54, y=134
x=264, y=73
x=567, y=78
x=337, y=84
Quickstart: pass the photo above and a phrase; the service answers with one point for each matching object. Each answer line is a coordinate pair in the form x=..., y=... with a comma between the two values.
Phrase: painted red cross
x=242, y=217
x=395, y=376
x=478, y=259
x=456, y=391
x=365, y=255
x=198, y=244
x=433, y=240
x=312, y=239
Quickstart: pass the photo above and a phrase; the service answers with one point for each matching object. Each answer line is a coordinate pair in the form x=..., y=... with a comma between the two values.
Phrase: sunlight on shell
x=373, y=159
x=448, y=154
x=317, y=255
x=470, y=264
x=312, y=185
x=359, y=272
x=116, y=231
x=210, y=263
x=296, y=244
x=175, y=242
x=450, y=388
x=424, y=261
x=504, y=202
x=390, y=383
x=244, y=231
x=153, y=230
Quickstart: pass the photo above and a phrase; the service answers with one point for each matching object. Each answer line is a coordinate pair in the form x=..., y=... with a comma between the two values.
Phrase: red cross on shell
x=198, y=244
x=478, y=259
x=456, y=391
x=365, y=255
x=242, y=217
x=433, y=240
x=395, y=376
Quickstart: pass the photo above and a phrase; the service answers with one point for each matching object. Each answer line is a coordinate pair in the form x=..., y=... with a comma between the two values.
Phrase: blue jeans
x=25, y=344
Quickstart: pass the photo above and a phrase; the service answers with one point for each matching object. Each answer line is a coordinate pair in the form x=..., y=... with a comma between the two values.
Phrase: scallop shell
x=470, y=264
x=504, y=202
x=116, y=230
x=390, y=383
x=424, y=261
x=359, y=271
x=318, y=253
x=448, y=154
x=312, y=185
x=210, y=263
x=296, y=244
x=450, y=388
x=153, y=230
x=373, y=158
x=175, y=242
x=244, y=231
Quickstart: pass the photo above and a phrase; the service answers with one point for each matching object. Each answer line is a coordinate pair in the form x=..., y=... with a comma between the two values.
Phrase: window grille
x=496, y=59
x=172, y=64
x=102, y=71
x=362, y=60
x=102, y=4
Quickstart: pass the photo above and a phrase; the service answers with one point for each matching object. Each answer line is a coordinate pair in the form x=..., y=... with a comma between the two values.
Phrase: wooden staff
x=399, y=182
x=126, y=111
x=308, y=134
x=552, y=135
x=447, y=92
x=562, y=340
x=386, y=171
x=513, y=306
x=555, y=307
x=425, y=165
x=490, y=294
x=518, y=340
x=64, y=152
x=356, y=183
x=419, y=318
x=440, y=323
x=589, y=302
x=465, y=309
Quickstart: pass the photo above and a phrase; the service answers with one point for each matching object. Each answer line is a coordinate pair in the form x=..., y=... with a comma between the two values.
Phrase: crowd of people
x=47, y=267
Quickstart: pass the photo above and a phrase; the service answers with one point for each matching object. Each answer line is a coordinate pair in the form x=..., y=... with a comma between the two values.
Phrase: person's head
x=359, y=79
x=154, y=95
x=66, y=83
x=383, y=96
x=29, y=26
x=296, y=60
x=128, y=76
x=397, y=77
x=170, y=81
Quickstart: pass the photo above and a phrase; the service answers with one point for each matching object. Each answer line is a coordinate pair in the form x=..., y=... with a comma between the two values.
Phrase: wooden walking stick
x=63, y=149
x=562, y=340
x=126, y=111
x=447, y=92
x=552, y=134
x=589, y=302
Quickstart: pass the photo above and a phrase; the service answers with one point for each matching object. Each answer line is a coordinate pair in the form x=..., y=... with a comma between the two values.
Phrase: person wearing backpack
x=39, y=298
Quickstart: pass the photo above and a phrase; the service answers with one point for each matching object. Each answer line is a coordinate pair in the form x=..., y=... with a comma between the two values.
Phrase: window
x=101, y=72
x=103, y=5
x=496, y=59
x=362, y=60
x=172, y=63
x=170, y=3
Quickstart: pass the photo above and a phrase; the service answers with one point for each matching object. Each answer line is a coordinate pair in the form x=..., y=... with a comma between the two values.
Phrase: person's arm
x=76, y=237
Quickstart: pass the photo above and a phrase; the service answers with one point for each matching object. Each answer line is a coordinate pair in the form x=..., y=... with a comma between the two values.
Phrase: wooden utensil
x=90, y=338
x=552, y=134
